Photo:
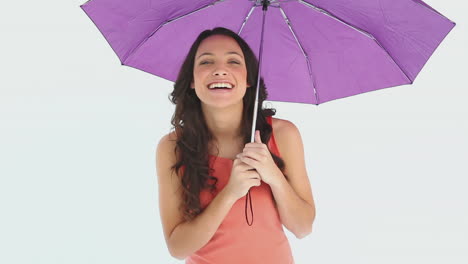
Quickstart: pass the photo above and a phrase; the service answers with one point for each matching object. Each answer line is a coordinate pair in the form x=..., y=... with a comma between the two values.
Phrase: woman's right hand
x=243, y=177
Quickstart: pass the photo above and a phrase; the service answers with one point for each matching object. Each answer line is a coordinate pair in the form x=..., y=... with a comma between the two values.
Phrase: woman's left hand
x=256, y=154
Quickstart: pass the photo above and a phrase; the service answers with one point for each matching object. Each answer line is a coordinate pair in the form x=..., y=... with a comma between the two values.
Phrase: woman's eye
x=205, y=62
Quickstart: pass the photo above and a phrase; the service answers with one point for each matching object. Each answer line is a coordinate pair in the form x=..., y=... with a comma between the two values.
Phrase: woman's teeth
x=220, y=86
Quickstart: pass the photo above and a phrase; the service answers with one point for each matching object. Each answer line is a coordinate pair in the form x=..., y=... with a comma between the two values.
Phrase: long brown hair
x=192, y=132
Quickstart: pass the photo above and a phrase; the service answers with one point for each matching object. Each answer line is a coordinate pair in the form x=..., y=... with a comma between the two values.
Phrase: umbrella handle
x=251, y=210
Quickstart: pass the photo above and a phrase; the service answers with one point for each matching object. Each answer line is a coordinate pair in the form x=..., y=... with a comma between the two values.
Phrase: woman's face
x=225, y=63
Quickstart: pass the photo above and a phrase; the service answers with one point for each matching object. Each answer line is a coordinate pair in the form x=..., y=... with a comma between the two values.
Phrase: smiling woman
x=220, y=53
x=207, y=164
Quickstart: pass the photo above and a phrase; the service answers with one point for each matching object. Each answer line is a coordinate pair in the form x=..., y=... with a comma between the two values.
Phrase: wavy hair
x=192, y=132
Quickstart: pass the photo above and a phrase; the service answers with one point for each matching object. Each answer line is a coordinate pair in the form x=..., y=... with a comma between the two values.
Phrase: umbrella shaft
x=254, y=119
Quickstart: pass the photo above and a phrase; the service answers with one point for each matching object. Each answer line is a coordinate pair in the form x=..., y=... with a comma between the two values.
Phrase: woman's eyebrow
x=227, y=53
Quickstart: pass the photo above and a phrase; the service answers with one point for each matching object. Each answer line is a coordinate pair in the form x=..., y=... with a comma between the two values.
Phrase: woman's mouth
x=221, y=88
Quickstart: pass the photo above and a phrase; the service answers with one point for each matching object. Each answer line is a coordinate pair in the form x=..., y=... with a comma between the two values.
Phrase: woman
x=207, y=165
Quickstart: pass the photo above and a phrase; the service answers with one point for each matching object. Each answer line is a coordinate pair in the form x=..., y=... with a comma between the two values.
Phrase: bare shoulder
x=283, y=130
x=167, y=144
x=166, y=157
x=169, y=137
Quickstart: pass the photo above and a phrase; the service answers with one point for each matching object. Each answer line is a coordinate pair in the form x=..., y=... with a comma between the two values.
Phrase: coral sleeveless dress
x=235, y=242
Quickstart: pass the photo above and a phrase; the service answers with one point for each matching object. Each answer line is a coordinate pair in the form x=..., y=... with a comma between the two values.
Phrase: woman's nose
x=220, y=73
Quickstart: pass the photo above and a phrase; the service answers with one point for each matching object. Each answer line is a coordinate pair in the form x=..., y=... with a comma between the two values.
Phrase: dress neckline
x=222, y=158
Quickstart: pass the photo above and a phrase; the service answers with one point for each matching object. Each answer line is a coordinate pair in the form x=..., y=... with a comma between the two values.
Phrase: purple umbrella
x=315, y=51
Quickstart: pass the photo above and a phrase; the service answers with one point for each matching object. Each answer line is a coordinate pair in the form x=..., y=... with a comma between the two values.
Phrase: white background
x=78, y=134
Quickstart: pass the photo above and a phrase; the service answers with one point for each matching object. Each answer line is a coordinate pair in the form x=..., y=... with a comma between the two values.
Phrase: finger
x=256, y=155
x=256, y=182
x=254, y=146
x=250, y=161
x=241, y=165
x=253, y=175
x=258, y=139
x=246, y=167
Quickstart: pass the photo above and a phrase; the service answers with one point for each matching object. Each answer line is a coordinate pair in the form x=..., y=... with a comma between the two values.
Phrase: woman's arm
x=189, y=237
x=293, y=196
x=183, y=238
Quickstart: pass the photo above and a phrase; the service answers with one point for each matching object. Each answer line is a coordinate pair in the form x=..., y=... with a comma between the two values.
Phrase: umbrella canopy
x=314, y=51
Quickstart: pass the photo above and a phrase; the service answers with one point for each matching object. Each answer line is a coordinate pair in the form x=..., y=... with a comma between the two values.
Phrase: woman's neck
x=224, y=124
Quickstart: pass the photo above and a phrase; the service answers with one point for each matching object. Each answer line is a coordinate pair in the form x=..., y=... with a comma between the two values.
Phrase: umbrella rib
x=369, y=35
x=130, y=52
x=303, y=52
x=245, y=19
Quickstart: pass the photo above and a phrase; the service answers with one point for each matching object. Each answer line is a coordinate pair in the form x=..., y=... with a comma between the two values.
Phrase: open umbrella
x=315, y=50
